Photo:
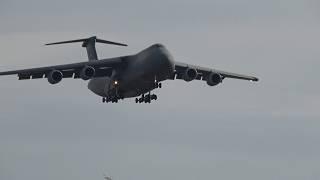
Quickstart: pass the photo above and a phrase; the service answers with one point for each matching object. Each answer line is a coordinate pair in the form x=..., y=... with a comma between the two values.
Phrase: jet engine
x=190, y=74
x=214, y=79
x=87, y=72
x=54, y=76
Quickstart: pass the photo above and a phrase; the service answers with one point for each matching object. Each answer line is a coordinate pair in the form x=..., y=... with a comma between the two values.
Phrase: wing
x=203, y=72
x=102, y=68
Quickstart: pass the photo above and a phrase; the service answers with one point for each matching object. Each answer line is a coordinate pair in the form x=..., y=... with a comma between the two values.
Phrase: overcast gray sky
x=237, y=130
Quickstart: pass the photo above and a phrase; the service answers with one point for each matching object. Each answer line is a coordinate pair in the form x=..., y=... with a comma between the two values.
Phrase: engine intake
x=54, y=76
x=190, y=74
x=87, y=72
x=214, y=79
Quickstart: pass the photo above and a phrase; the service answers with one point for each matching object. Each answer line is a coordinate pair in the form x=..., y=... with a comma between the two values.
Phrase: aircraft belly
x=136, y=89
x=98, y=85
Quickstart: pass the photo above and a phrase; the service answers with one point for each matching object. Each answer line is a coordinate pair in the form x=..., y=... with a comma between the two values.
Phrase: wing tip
x=255, y=79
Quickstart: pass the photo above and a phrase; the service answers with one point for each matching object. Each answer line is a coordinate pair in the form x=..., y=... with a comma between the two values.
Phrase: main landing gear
x=107, y=100
x=111, y=99
x=146, y=98
x=149, y=97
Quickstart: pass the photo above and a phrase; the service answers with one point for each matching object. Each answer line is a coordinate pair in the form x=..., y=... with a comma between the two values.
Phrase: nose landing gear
x=157, y=85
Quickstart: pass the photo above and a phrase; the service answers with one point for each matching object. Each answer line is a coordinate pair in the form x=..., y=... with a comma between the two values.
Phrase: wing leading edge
x=203, y=72
x=102, y=68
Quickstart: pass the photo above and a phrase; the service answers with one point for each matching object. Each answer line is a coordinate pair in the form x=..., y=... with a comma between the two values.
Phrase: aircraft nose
x=162, y=56
x=167, y=59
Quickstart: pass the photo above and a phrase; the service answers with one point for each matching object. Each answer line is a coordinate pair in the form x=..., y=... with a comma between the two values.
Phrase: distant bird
x=107, y=177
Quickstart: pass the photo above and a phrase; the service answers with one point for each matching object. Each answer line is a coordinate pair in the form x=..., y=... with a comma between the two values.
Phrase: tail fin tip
x=86, y=40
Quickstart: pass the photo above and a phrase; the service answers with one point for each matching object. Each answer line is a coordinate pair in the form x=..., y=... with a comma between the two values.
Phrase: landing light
x=115, y=82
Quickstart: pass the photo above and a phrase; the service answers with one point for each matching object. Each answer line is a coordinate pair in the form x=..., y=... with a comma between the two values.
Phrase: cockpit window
x=158, y=45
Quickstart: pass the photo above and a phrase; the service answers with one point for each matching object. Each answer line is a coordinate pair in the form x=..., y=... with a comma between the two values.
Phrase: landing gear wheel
x=160, y=85
x=154, y=97
x=147, y=99
x=114, y=100
x=103, y=100
x=137, y=100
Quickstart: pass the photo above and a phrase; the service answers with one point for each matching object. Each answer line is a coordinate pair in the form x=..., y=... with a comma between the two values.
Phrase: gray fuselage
x=138, y=76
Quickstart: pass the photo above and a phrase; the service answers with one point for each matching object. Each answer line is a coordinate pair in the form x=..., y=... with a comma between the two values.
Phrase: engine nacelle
x=190, y=74
x=87, y=72
x=54, y=76
x=214, y=79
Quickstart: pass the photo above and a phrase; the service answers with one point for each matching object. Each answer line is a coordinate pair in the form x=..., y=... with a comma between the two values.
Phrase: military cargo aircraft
x=127, y=76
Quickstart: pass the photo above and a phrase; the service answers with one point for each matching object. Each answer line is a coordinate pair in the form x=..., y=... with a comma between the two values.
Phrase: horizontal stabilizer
x=86, y=40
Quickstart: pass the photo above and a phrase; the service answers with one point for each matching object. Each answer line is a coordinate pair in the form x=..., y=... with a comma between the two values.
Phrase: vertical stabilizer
x=90, y=45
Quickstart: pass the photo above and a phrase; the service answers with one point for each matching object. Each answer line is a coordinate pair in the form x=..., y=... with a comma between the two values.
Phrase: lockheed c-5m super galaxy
x=127, y=76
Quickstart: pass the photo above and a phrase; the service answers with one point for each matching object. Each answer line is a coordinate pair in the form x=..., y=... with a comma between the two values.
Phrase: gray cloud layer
x=238, y=130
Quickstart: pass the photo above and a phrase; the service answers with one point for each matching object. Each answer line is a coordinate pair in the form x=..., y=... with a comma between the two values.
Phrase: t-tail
x=90, y=45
